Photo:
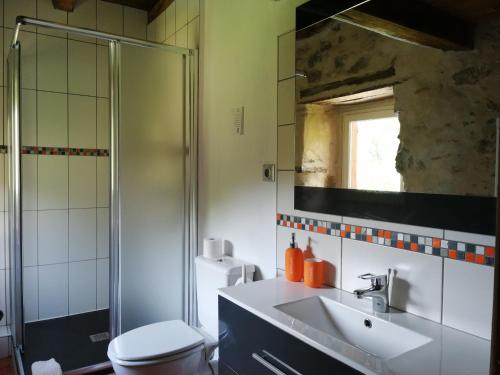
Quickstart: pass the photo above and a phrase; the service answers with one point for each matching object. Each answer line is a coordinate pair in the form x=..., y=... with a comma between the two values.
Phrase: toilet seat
x=158, y=342
x=167, y=358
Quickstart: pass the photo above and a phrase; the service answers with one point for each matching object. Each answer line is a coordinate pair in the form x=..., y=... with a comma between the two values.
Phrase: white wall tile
x=156, y=29
x=2, y=32
x=29, y=175
x=52, y=236
x=194, y=33
x=3, y=253
x=478, y=239
x=170, y=19
x=30, y=238
x=82, y=121
x=84, y=14
x=103, y=71
x=52, y=119
x=103, y=283
x=409, y=290
x=170, y=40
x=468, y=297
x=28, y=117
x=47, y=11
x=181, y=14
x=53, y=290
x=109, y=17
x=52, y=182
x=3, y=183
x=193, y=9
x=286, y=101
x=30, y=293
x=286, y=147
x=286, y=55
x=103, y=123
x=81, y=68
x=82, y=286
x=14, y=8
x=82, y=234
x=82, y=181
x=135, y=22
x=52, y=63
x=3, y=114
x=413, y=229
x=285, y=192
x=103, y=233
x=7, y=297
x=103, y=182
x=181, y=37
x=3, y=299
x=3, y=119
x=317, y=245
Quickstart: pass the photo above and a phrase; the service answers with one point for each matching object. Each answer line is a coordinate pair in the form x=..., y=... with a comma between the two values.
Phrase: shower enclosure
x=152, y=213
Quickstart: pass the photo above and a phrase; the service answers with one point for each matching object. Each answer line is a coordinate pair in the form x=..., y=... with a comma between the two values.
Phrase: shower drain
x=98, y=337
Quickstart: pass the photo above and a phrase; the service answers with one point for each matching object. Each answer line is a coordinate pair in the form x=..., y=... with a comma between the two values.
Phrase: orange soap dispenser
x=294, y=262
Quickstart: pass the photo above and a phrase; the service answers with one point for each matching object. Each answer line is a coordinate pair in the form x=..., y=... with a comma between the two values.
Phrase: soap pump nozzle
x=293, y=244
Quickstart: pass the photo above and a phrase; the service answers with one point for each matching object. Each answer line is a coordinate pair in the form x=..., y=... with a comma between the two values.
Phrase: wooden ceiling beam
x=66, y=5
x=412, y=21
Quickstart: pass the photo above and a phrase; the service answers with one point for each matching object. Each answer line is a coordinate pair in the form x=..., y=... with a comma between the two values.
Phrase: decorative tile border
x=39, y=150
x=36, y=150
x=405, y=241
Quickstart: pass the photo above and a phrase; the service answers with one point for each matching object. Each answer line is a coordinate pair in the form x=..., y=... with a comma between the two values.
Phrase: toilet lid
x=155, y=341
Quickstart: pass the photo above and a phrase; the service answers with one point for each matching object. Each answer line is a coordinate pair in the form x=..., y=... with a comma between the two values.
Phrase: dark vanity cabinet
x=248, y=345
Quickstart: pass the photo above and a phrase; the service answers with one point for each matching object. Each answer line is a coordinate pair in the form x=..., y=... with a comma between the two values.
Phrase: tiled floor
x=67, y=341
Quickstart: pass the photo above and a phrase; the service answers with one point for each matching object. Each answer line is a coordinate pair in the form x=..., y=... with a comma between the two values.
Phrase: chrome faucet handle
x=367, y=276
x=376, y=280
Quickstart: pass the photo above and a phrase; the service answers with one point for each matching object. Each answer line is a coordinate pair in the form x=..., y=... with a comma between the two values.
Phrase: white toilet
x=173, y=347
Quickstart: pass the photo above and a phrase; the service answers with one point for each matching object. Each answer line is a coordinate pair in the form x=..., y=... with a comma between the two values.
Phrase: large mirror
x=380, y=119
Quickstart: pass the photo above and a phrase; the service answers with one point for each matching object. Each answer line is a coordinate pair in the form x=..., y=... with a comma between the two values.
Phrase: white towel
x=50, y=367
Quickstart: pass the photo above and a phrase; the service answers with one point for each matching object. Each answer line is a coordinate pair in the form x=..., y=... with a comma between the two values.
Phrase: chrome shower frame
x=190, y=59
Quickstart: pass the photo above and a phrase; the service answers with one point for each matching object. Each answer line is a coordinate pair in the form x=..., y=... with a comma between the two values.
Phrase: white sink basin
x=374, y=336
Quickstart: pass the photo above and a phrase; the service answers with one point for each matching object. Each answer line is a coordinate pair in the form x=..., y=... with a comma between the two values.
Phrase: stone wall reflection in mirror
x=375, y=113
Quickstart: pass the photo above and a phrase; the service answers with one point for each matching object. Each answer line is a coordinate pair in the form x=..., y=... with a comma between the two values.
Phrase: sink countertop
x=451, y=352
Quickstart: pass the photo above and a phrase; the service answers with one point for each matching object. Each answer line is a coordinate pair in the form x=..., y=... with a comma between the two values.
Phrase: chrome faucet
x=378, y=291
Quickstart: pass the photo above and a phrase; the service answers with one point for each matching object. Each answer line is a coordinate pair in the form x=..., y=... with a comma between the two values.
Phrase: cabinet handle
x=267, y=365
x=270, y=366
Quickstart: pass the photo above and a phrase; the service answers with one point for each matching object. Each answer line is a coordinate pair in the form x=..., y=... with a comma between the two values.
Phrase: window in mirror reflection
x=349, y=142
x=372, y=146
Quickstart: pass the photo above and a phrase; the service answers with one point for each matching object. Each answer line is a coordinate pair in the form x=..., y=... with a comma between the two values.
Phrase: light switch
x=238, y=119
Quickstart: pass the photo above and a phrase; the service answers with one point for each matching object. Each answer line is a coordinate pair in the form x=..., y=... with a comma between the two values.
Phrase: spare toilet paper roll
x=212, y=248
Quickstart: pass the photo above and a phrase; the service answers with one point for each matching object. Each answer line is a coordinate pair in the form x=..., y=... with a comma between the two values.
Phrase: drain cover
x=98, y=337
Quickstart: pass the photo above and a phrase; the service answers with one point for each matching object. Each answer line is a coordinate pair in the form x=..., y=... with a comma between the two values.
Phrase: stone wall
x=447, y=102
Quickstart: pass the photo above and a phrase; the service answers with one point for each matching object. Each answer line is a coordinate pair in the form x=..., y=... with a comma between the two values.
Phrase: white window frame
x=359, y=112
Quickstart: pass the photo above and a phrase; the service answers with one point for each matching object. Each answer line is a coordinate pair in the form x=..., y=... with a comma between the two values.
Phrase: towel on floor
x=50, y=367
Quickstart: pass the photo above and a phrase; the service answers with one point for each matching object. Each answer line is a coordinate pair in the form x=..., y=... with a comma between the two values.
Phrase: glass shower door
x=152, y=185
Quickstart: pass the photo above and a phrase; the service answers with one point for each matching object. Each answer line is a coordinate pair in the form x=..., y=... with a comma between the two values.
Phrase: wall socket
x=268, y=172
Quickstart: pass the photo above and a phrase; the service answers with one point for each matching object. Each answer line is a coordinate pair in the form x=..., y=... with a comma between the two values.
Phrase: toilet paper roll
x=212, y=248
